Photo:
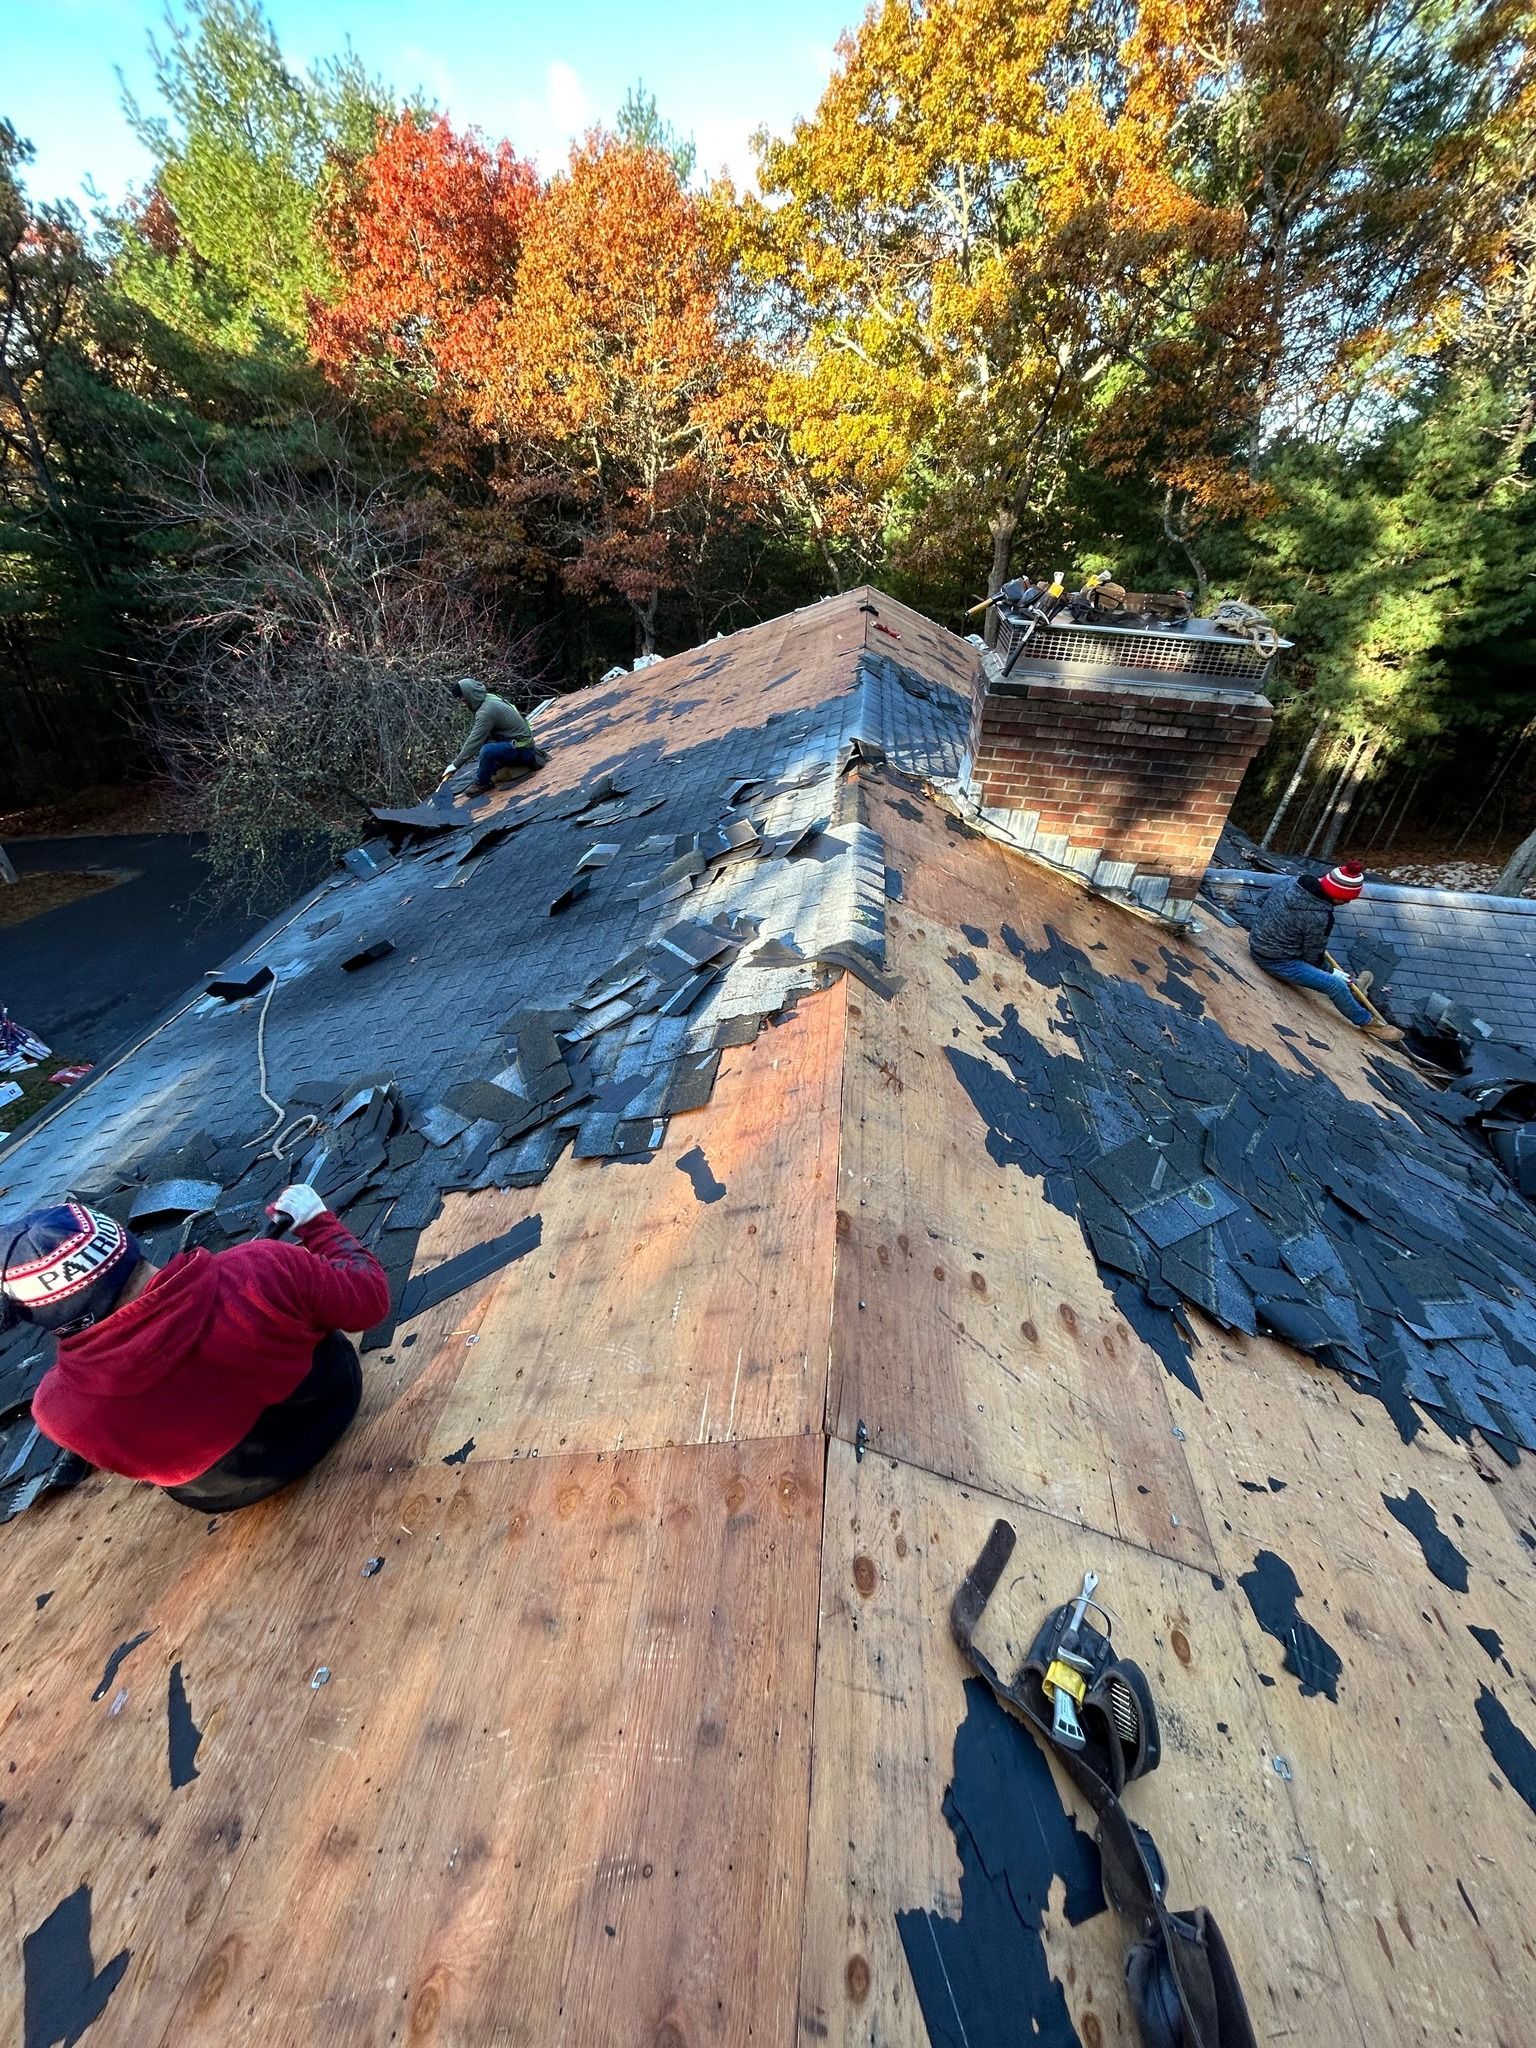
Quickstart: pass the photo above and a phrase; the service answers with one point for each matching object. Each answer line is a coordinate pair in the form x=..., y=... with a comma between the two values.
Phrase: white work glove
x=297, y=1204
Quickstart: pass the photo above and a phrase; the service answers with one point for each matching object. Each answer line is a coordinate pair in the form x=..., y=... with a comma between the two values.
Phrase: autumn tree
x=303, y=654
x=977, y=225
x=46, y=273
x=616, y=396
x=65, y=567
x=1367, y=155
x=424, y=234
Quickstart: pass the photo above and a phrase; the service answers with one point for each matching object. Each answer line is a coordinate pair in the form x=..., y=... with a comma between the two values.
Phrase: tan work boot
x=1379, y=1028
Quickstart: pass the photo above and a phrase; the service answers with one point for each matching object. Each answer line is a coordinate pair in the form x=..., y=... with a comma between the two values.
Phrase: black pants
x=286, y=1439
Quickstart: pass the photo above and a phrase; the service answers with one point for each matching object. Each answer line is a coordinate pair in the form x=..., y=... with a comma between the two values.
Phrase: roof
x=480, y=939
x=1475, y=950
x=642, y=1731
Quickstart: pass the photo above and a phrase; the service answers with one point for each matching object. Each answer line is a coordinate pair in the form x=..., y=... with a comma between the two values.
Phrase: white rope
x=287, y=1135
x=67, y=1096
x=1247, y=622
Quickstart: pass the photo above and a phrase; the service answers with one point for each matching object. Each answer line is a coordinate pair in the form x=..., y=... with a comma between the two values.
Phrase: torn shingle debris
x=366, y=954
x=852, y=959
x=804, y=841
x=705, y=1186
x=172, y=1200
x=30, y=1465
x=695, y=943
x=777, y=953
x=64, y=1992
x=468, y=1268
x=234, y=988
x=417, y=821
x=1207, y=1172
x=689, y=993
x=511, y=1038
x=605, y=788
x=691, y=1084
x=477, y=1100
x=1491, y=1090
x=573, y=893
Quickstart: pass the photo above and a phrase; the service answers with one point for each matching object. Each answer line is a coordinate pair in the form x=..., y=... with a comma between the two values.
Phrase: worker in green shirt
x=500, y=736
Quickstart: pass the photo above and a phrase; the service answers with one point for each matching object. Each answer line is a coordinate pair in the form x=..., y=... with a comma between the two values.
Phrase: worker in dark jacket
x=220, y=1376
x=1289, y=940
x=500, y=736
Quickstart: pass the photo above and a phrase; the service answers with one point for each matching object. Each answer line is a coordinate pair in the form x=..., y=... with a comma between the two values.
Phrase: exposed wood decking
x=640, y=1736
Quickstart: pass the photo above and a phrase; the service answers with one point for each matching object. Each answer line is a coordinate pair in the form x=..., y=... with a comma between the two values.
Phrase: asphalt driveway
x=91, y=974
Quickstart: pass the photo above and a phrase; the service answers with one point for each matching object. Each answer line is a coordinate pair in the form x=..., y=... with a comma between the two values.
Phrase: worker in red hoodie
x=221, y=1376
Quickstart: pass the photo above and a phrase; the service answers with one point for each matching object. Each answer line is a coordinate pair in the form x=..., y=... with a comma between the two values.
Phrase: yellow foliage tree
x=980, y=223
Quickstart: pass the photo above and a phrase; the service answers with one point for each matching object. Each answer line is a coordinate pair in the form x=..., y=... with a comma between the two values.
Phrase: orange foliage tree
x=424, y=233
x=573, y=338
x=1015, y=252
x=623, y=400
x=1367, y=156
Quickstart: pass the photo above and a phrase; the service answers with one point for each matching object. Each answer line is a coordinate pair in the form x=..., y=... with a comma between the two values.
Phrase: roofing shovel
x=1093, y=1710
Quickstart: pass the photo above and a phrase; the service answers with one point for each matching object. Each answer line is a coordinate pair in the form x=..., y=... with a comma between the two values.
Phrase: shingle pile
x=1206, y=1172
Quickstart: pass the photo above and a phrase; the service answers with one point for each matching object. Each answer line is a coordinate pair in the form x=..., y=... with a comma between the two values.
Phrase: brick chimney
x=1118, y=753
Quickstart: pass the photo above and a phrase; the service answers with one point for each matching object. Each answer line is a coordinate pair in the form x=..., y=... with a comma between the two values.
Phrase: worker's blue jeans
x=1301, y=974
x=502, y=754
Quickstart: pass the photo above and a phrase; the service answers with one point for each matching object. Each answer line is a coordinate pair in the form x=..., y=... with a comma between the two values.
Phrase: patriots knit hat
x=64, y=1268
x=1344, y=882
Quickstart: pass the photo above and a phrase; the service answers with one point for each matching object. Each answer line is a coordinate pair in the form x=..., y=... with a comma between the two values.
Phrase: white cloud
x=725, y=144
x=823, y=60
x=566, y=98
x=544, y=127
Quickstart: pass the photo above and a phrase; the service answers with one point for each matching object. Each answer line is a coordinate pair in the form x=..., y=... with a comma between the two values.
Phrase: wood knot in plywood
x=221, y=1966
x=426, y=2008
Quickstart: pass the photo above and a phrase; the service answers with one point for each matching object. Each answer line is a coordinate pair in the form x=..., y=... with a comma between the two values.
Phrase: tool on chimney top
x=1024, y=606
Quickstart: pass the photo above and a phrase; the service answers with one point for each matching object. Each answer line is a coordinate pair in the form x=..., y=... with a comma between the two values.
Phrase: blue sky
x=537, y=73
